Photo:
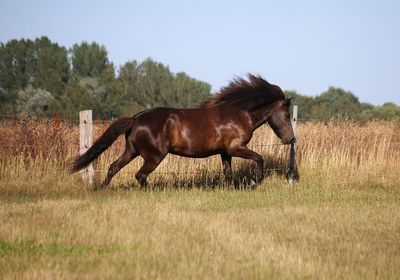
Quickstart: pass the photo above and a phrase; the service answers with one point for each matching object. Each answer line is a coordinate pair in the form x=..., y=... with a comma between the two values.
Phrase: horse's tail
x=118, y=127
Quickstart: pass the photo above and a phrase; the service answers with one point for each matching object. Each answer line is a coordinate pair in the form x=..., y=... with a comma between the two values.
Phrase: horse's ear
x=288, y=101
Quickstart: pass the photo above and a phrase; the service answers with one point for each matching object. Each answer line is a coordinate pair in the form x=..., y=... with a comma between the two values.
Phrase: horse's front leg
x=244, y=152
x=226, y=164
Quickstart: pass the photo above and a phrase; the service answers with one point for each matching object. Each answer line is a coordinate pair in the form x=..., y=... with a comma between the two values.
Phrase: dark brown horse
x=223, y=124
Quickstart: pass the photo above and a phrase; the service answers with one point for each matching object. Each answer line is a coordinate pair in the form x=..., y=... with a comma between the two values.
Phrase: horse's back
x=202, y=132
x=194, y=132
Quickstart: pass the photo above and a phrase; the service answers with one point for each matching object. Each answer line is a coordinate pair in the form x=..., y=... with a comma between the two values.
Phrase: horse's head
x=280, y=122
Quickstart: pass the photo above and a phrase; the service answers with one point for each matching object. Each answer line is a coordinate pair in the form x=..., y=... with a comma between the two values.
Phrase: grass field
x=341, y=220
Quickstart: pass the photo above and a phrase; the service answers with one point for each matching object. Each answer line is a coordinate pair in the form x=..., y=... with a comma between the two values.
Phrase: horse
x=223, y=124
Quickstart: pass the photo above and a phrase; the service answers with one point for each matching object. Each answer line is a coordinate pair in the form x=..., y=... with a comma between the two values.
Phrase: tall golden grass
x=337, y=149
x=340, y=221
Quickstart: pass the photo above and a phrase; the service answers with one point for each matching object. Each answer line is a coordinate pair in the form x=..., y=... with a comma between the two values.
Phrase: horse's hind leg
x=149, y=165
x=124, y=159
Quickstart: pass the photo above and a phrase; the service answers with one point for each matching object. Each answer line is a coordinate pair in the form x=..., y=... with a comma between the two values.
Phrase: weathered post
x=292, y=173
x=294, y=119
x=85, y=142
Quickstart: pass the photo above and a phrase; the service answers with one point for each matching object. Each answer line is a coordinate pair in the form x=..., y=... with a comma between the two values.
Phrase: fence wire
x=56, y=122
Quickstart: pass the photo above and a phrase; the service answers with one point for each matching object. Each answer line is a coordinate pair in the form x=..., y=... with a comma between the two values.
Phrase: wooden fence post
x=292, y=173
x=294, y=119
x=85, y=142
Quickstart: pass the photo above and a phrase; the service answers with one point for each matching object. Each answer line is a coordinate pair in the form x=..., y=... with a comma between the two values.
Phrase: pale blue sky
x=302, y=45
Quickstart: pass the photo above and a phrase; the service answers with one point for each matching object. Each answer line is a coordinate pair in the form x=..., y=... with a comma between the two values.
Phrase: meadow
x=339, y=221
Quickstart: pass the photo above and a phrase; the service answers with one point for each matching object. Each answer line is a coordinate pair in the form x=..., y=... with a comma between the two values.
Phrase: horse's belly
x=195, y=154
x=193, y=134
x=195, y=145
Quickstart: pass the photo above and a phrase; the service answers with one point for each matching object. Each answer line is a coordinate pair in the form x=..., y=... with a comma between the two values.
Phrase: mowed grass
x=275, y=231
x=341, y=220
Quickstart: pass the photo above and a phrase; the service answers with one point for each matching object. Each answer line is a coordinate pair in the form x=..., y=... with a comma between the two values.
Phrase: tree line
x=40, y=78
x=338, y=103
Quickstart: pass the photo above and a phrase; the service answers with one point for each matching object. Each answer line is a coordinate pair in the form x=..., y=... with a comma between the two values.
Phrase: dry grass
x=340, y=221
x=334, y=151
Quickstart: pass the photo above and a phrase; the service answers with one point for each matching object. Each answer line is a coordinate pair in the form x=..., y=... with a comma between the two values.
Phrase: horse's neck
x=260, y=116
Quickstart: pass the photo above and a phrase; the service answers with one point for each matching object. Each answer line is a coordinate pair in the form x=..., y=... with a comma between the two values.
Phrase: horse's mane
x=247, y=95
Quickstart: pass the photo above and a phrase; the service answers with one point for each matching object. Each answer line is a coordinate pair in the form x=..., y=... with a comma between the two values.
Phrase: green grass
x=275, y=231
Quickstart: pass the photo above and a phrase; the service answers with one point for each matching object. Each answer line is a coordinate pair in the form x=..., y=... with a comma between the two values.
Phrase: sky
x=305, y=45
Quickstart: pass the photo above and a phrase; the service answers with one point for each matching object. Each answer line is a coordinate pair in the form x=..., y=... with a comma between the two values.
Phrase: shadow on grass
x=244, y=177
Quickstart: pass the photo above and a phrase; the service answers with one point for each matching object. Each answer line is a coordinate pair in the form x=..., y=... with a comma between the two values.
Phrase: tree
x=155, y=85
x=337, y=102
x=333, y=103
x=38, y=78
x=129, y=78
x=190, y=92
x=148, y=84
x=51, y=67
x=39, y=63
x=36, y=102
x=304, y=102
x=17, y=64
x=89, y=60
x=389, y=111
x=77, y=98
x=151, y=84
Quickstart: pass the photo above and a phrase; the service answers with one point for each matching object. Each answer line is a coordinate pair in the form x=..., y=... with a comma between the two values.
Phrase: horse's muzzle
x=289, y=141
